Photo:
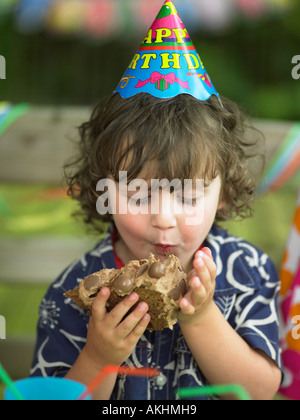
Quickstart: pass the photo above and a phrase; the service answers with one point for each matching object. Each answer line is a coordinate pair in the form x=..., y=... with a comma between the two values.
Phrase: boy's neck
x=123, y=252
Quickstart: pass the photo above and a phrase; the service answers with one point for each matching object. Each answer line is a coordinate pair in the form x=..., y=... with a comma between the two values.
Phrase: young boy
x=227, y=330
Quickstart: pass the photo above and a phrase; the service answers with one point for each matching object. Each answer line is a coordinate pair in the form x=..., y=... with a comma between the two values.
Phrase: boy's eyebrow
x=152, y=188
x=139, y=187
x=137, y=190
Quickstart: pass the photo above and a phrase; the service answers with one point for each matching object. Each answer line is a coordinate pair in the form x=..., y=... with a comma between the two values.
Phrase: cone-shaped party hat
x=167, y=63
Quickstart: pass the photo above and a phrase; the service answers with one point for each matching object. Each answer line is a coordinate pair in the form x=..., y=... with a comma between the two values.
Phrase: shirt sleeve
x=61, y=334
x=256, y=316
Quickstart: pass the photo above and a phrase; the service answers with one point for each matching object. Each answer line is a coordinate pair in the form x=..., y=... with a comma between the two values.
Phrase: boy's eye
x=139, y=201
x=188, y=201
x=143, y=200
x=181, y=199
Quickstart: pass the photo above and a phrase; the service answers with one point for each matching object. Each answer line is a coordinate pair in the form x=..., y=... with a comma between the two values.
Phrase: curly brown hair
x=184, y=137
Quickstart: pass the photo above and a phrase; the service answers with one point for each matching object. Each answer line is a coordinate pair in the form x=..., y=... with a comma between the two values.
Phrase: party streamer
x=285, y=162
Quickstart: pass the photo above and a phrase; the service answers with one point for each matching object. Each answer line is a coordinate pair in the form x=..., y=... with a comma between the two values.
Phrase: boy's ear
x=221, y=204
x=222, y=200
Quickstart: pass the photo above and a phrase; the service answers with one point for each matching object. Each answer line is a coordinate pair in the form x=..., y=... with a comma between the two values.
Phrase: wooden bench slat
x=35, y=147
x=38, y=260
x=16, y=354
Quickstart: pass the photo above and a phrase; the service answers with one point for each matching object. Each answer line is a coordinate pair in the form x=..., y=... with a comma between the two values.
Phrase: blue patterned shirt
x=247, y=288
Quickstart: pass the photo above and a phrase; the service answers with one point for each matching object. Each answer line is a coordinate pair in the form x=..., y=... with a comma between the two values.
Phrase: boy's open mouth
x=164, y=248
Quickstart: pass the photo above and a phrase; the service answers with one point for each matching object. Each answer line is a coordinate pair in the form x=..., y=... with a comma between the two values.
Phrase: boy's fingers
x=192, y=274
x=205, y=268
x=211, y=267
x=186, y=307
x=132, y=320
x=139, y=329
x=200, y=266
x=204, y=251
x=198, y=291
x=99, y=305
x=116, y=315
x=209, y=263
x=207, y=252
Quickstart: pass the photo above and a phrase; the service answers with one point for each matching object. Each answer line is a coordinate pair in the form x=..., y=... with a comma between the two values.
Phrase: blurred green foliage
x=249, y=63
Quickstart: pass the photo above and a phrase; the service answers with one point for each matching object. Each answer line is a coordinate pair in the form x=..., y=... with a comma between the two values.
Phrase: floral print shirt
x=247, y=288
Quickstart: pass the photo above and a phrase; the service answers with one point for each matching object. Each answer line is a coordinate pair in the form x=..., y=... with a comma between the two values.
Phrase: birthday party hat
x=167, y=63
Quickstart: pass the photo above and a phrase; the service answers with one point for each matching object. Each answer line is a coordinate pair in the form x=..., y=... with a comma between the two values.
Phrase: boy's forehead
x=150, y=160
x=151, y=175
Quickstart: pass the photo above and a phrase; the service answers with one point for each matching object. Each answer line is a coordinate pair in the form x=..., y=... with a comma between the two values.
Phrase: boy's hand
x=111, y=339
x=202, y=286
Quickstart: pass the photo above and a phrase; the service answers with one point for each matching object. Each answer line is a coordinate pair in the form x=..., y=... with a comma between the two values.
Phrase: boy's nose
x=163, y=221
x=164, y=216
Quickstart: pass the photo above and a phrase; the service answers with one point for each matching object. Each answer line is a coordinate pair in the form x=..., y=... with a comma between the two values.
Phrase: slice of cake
x=160, y=284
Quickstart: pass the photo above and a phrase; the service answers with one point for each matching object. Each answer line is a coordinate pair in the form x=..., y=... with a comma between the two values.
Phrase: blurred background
x=75, y=51
x=62, y=56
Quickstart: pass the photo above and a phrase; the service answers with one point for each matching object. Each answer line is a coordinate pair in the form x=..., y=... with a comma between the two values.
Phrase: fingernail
x=200, y=262
x=143, y=306
x=134, y=296
x=184, y=302
x=104, y=292
x=197, y=282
